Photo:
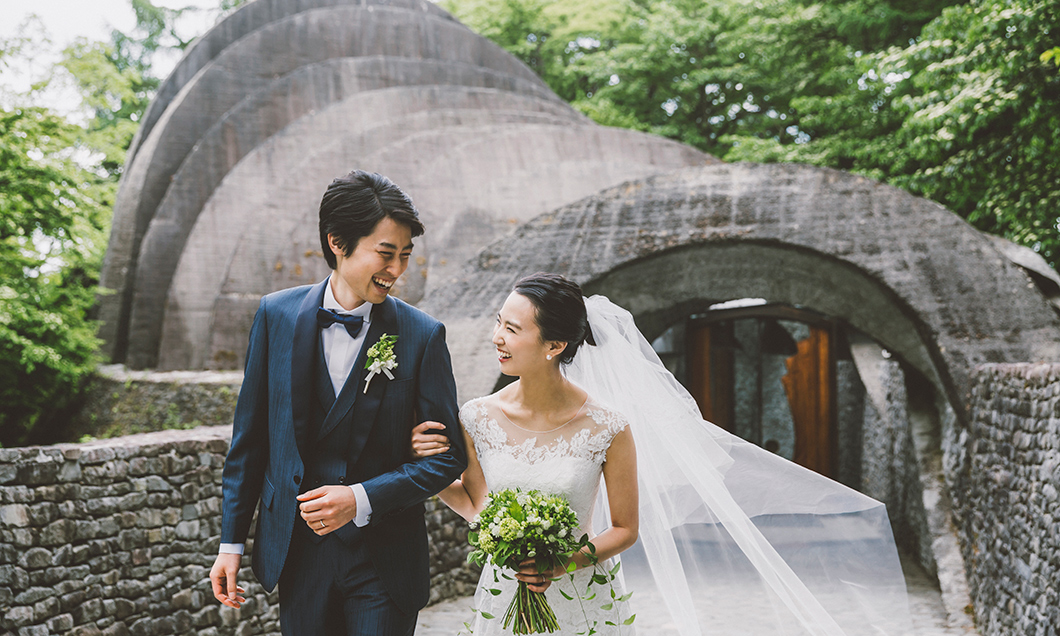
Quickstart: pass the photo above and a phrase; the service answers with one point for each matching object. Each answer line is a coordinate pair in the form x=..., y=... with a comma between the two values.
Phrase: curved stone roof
x=243, y=21
x=262, y=113
x=899, y=268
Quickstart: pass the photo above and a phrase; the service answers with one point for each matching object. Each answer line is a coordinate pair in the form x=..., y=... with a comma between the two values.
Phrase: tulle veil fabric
x=733, y=539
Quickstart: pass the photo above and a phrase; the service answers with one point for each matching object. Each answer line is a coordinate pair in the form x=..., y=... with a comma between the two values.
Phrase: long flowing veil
x=734, y=539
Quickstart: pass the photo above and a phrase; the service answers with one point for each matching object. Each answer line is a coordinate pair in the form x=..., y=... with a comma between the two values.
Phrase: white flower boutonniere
x=381, y=359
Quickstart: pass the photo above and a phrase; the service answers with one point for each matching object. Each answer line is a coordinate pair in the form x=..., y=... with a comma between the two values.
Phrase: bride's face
x=517, y=337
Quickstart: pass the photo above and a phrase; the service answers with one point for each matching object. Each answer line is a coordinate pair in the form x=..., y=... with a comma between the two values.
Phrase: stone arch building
x=218, y=206
x=218, y=201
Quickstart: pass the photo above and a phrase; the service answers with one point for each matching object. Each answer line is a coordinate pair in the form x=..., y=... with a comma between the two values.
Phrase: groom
x=323, y=442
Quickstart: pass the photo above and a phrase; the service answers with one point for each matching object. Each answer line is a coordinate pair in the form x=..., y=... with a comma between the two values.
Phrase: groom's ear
x=337, y=245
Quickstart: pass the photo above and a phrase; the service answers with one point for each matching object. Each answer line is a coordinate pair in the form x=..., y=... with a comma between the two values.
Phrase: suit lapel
x=383, y=321
x=304, y=352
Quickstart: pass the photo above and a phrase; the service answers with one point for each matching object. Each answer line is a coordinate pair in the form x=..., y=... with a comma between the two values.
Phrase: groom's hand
x=328, y=508
x=223, y=578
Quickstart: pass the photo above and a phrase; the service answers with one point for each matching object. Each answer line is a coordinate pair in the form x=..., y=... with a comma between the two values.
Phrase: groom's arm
x=415, y=481
x=244, y=466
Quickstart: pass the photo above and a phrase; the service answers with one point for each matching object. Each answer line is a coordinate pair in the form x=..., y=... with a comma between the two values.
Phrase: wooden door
x=809, y=385
x=710, y=373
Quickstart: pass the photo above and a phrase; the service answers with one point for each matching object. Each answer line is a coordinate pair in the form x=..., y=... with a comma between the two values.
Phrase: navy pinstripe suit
x=288, y=437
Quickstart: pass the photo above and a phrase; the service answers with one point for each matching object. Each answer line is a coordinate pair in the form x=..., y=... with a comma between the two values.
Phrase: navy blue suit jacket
x=271, y=422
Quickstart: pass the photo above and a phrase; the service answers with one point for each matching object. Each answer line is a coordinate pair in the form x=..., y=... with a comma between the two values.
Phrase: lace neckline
x=589, y=443
x=551, y=430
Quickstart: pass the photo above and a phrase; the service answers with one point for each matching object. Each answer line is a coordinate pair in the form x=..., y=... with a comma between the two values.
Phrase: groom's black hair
x=353, y=205
x=559, y=311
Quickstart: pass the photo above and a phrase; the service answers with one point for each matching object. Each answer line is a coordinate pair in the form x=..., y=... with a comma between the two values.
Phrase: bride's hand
x=425, y=444
x=537, y=581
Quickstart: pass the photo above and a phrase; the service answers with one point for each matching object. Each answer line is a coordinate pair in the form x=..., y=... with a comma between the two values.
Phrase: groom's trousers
x=329, y=588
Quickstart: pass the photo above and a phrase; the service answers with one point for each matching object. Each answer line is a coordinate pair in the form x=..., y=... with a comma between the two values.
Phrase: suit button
x=297, y=479
x=342, y=480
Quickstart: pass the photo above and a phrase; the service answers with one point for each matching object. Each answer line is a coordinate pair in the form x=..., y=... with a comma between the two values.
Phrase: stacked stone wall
x=117, y=537
x=1005, y=476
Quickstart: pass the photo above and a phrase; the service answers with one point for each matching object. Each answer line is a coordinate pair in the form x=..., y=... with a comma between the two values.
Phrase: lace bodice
x=568, y=461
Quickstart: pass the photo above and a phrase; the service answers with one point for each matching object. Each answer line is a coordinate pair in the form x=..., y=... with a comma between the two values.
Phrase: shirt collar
x=363, y=310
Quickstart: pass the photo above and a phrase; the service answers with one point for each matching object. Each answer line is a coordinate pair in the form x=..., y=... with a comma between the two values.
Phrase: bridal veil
x=734, y=539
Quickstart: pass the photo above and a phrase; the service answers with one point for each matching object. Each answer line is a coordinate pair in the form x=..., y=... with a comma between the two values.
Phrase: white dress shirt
x=340, y=354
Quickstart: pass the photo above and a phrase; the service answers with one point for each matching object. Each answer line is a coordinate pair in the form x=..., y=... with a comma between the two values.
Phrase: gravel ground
x=925, y=608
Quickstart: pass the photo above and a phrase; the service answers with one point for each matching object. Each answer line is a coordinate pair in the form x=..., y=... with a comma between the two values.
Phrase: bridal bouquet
x=516, y=526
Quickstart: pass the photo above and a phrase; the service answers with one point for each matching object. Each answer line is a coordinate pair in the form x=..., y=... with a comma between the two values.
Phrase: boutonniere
x=381, y=359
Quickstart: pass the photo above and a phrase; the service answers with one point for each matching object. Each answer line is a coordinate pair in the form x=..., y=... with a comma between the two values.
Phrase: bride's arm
x=620, y=477
x=465, y=495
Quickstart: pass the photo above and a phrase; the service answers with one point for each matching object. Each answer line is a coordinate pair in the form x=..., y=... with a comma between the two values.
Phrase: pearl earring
x=548, y=357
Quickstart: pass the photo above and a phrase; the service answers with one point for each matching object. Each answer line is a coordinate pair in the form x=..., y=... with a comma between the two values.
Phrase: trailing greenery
x=956, y=101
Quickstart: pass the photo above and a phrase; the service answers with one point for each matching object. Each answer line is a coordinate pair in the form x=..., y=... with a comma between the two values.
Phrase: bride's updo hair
x=559, y=311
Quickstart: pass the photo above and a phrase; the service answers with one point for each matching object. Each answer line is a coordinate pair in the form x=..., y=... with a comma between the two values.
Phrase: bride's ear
x=555, y=348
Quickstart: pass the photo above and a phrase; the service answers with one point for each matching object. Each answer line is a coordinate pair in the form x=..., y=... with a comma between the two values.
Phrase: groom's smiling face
x=374, y=265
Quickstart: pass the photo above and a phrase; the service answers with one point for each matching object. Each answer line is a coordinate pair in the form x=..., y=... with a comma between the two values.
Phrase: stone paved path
x=925, y=607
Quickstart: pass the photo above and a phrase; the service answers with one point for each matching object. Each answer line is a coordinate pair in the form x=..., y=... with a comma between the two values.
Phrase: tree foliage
x=115, y=79
x=952, y=100
x=696, y=70
x=53, y=220
x=57, y=185
x=968, y=115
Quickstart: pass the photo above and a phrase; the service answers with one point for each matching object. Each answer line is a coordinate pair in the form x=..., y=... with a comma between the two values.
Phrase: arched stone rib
x=471, y=181
x=277, y=170
x=246, y=67
x=241, y=22
x=258, y=117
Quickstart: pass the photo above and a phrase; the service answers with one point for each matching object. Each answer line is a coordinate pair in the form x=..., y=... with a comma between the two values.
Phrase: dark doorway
x=767, y=374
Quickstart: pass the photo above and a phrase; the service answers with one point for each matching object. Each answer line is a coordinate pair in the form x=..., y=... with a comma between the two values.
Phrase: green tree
x=548, y=36
x=968, y=115
x=57, y=186
x=53, y=220
x=116, y=81
x=696, y=70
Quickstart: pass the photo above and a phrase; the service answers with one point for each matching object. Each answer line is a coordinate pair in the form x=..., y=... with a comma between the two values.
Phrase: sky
x=62, y=21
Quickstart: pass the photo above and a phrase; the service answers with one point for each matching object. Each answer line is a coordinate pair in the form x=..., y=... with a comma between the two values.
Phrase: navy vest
x=325, y=460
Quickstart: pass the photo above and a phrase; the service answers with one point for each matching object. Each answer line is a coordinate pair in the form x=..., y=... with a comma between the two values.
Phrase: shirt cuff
x=231, y=548
x=364, y=507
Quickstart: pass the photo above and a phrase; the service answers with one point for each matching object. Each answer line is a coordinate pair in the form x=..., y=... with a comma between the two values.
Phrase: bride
x=718, y=534
x=543, y=432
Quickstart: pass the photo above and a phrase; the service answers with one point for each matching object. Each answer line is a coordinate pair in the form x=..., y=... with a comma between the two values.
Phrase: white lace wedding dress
x=567, y=461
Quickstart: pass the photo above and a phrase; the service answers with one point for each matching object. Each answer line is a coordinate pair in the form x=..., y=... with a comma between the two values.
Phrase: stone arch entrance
x=901, y=269
x=901, y=275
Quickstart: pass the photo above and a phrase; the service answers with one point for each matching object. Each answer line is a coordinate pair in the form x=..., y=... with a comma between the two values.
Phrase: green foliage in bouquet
x=516, y=526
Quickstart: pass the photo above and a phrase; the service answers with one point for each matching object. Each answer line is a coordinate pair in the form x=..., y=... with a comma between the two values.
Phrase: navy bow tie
x=327, y=317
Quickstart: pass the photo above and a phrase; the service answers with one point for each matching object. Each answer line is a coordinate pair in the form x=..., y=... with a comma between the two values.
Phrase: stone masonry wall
x=1005, y=474
x=117, y=537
